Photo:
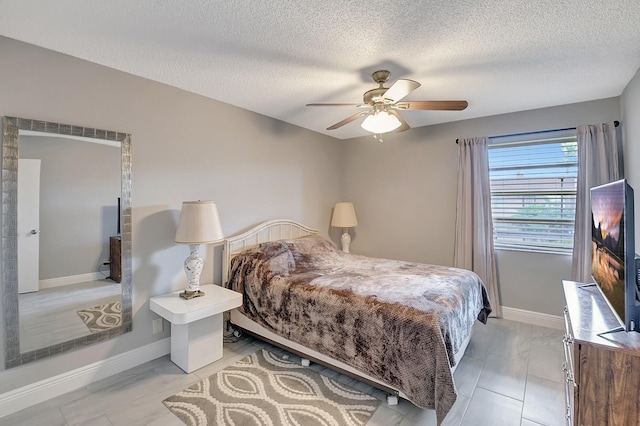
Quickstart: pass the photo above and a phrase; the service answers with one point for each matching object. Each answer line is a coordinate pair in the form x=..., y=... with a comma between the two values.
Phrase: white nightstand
x=196, y=324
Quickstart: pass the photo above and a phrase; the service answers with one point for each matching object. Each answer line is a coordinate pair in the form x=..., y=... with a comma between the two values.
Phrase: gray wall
x=79, y=190
x=630, y=106
x=404, y=191
x=185, y=147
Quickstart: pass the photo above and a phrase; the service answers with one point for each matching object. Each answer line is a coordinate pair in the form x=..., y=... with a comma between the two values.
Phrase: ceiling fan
x=383, y=104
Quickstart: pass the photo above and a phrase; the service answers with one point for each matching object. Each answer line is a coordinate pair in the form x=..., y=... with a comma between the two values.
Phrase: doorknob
x=34, y=232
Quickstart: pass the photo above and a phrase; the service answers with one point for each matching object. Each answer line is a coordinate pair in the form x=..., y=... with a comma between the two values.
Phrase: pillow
x=275, y=255
x=312, y=245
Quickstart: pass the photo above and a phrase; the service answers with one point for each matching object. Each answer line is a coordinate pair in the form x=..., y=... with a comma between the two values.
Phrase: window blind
x=533, y=191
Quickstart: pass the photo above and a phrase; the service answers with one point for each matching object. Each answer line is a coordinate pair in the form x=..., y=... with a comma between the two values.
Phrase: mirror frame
x=10, y=143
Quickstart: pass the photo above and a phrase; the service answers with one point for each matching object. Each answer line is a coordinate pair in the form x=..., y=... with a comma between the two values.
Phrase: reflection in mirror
x=69, y=217
x=67, y=214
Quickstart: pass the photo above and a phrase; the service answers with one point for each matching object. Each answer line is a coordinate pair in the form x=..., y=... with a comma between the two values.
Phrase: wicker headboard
x=272, y=230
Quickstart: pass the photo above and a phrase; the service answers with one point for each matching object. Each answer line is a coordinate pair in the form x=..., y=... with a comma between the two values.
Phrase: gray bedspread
x=399, y=322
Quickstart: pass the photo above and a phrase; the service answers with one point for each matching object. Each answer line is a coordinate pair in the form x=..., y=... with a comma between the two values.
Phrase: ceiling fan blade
x=433, y=105
x=355, y=105
x=404, y=126
x=348, y=120
x=400, y=89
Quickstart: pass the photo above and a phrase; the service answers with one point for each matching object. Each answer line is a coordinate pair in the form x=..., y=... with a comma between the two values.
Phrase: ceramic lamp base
x=193, y=268
x=346, y=241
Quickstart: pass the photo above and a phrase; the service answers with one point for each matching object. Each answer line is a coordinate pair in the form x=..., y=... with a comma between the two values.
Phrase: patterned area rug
x=264, y=389
x=102, y=317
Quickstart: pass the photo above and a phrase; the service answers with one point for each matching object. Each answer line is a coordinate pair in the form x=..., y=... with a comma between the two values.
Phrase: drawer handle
x=568, y=373
x=569, y=376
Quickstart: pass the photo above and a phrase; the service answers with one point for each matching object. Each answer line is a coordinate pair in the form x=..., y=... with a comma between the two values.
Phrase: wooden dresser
x=602, y=372
x=115, y=258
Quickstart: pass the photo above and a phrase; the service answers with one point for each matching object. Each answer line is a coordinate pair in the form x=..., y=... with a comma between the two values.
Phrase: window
x=533, y=191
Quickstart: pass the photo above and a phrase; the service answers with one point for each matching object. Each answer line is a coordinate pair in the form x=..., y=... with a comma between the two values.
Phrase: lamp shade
x=344, y=215
x=381, y=122
x=199, y=223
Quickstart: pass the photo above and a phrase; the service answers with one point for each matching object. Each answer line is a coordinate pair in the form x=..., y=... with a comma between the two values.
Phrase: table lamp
x=344, y=216
x=199, y=224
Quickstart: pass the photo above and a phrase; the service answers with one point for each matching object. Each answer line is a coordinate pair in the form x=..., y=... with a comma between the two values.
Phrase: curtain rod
x=615, y=123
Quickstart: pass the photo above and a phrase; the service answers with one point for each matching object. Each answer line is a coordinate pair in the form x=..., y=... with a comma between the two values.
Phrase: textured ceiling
x=275, y=56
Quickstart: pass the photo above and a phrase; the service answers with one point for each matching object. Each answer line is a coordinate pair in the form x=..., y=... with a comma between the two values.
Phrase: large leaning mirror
x=66, y=237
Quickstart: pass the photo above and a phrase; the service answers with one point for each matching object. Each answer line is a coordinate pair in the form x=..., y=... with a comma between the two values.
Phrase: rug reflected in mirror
x=265, y=389
x=103, y=317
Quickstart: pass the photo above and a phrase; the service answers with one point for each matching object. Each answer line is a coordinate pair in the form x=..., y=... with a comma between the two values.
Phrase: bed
x=378, y=320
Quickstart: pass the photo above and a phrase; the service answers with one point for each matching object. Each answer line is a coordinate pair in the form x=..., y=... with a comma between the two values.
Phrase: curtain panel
x=473, y=248
x=598, y=163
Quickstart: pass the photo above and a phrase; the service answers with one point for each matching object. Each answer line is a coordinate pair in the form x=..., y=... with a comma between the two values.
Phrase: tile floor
x=510, y=375
x=50, y=316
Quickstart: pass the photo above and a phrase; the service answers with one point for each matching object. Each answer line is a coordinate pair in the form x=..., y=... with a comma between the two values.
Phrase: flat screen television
x=613, y=259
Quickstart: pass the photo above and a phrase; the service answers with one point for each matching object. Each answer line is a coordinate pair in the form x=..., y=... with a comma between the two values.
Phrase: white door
x=28, y=225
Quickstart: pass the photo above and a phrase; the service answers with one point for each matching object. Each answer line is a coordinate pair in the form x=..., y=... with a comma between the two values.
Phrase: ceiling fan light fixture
x=381, y=122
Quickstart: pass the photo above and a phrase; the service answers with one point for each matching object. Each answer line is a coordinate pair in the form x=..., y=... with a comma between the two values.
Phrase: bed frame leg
x=305, y=362
x=392, y=399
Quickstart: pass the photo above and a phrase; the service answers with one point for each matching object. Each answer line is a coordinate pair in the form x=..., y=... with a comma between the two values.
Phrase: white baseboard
x=72, y=279
x=35, y=393
x=535, y=318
